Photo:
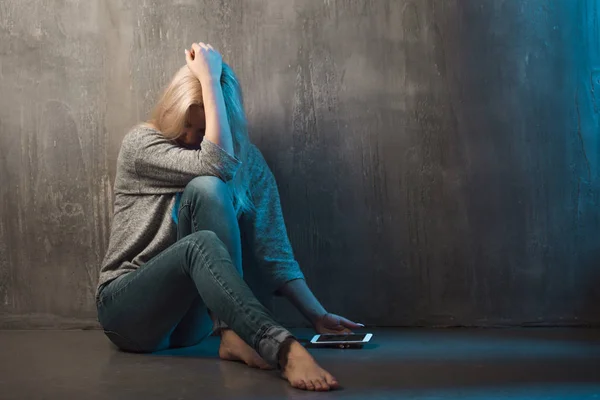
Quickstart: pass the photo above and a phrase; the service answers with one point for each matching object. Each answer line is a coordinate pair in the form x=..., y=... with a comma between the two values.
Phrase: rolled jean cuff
x=218, y=324
x=270, y=343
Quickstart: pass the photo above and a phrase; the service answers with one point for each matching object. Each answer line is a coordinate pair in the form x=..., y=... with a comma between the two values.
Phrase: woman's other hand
x=205, y=62
x=332, y=323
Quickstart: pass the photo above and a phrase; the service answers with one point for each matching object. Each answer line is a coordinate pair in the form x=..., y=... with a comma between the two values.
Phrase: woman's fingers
x=195, y=49
x=349, y=324
x=342, y=328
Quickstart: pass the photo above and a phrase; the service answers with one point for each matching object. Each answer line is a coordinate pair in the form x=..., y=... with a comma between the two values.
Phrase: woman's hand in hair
x=205, y=62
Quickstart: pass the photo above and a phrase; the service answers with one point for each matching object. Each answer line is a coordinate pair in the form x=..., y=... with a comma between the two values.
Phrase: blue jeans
x=174, y=299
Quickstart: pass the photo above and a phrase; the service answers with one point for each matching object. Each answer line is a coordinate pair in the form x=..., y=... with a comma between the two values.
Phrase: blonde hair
x=172, y=111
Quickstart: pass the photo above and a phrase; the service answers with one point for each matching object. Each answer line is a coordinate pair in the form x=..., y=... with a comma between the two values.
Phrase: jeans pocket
x=122, y=342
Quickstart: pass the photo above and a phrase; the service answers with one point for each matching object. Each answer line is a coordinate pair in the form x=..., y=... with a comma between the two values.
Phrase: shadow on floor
x=411, y=363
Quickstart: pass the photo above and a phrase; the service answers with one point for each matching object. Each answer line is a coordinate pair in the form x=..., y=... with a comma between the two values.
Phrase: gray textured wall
x=437, y=160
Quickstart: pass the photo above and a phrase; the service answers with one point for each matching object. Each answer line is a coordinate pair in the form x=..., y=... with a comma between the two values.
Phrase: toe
x=320, y=385
x=310, y=385
x=331, y=381
x=264, y=365
x=261, y=363
x=255, y=361
x=300, y=385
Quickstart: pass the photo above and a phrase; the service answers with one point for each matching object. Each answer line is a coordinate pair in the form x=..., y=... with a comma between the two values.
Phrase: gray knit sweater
x=152, y=169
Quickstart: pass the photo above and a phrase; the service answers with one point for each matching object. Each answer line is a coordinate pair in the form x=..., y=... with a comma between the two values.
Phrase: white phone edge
x=366, y=339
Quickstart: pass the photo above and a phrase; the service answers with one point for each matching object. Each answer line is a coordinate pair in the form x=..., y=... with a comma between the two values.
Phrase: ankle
x=223, y=332
x=284, y=351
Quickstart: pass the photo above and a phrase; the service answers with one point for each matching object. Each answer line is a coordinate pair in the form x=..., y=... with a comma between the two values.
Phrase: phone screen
x=341, y=338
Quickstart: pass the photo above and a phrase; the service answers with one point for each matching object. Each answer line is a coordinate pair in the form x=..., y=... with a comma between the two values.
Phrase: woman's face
x=193, y=132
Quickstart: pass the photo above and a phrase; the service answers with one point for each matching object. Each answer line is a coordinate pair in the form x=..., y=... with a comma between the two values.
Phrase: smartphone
x=343, y=340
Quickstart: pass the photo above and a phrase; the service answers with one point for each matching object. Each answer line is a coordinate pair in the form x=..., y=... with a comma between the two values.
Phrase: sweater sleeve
x=163, y=167
x=265, y=228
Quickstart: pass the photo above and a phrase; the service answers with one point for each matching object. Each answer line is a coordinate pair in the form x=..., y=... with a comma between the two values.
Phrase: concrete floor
x=399, y=364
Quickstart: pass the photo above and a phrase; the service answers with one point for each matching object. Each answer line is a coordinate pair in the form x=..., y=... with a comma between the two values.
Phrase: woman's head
x=182, y=97
x=179, y=116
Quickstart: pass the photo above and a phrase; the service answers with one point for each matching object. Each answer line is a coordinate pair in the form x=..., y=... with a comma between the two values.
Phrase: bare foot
x=302, y=371
x=233, y=348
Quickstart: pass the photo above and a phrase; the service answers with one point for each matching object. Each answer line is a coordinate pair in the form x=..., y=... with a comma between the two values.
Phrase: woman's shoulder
x=142, y=129
x=140, y=133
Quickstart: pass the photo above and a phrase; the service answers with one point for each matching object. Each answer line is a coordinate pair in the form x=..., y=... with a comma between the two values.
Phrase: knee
x=203, y=246
x=207, y=188
x=203, y=239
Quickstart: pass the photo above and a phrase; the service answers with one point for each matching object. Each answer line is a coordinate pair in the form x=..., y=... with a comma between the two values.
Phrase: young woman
x=189, y=184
